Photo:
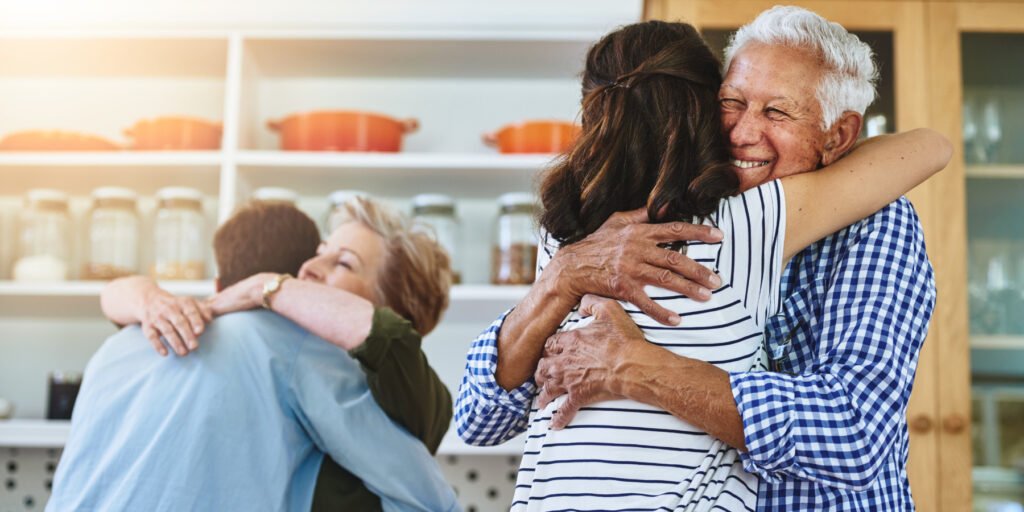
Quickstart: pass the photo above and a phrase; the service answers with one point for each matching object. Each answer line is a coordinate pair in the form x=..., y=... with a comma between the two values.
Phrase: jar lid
x=343, y=196
x=437, y=204
x=47, y=195
x=179, y=194
x=118, y=193
x=282, y=194
x=433, y=200
x=516, y=199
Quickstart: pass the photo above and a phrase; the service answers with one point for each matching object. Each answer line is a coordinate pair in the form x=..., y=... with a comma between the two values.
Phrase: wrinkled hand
x=582, y=363
x=180, y=320
x=623, y=256
x=242, y=296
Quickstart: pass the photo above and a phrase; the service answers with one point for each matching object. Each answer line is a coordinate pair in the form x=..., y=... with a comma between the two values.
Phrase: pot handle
x=274, y=125
x=409, y=125
x=490, y=139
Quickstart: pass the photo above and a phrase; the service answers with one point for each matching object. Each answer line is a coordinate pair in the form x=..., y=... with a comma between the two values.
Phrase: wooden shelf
x=34, y=433
x=1007, y=171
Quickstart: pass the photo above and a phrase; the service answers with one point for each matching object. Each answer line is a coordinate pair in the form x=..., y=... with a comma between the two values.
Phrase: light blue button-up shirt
x=240, y=425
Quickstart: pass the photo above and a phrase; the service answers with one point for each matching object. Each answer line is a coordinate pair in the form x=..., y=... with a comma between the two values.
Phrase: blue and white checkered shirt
x=826, y=430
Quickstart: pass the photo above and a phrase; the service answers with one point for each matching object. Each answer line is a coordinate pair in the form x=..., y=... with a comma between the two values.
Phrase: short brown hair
x=264, y=237
x=416, y=274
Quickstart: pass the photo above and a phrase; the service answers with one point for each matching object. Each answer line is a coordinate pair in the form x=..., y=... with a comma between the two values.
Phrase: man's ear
x=842, y=136
x=216, y=285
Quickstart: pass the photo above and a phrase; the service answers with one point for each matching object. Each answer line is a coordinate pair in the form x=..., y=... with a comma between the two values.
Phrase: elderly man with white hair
x=826, y=428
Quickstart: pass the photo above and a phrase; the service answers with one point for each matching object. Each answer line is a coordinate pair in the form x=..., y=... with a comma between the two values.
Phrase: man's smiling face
x=770, y=113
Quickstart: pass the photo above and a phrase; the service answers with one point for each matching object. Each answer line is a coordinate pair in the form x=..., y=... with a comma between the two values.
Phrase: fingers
x=154, y=339
x=196, y=321
x=656, y=311
x=676, y=231
x=665, y=278
x=565, y=413
x=184, y=330
x=170, y=334
x=205, y=310
x=637, y=216
x=681, y=265
x=546, y=396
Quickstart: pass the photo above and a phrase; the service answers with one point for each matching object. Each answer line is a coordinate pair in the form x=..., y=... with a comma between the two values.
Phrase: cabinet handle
x=954, y=424
x=921, y=424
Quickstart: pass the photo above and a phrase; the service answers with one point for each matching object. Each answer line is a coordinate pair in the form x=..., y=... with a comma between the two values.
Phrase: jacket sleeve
x=401, y=379
x=834, y=422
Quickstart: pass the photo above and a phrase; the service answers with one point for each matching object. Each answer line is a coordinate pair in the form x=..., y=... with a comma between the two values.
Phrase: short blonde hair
x=416, y=274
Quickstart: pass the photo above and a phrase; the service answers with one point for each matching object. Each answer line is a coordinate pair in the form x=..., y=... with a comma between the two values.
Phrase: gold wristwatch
x=272, y=286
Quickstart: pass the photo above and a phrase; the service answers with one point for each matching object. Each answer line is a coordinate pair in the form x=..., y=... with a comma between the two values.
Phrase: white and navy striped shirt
x=624, y=455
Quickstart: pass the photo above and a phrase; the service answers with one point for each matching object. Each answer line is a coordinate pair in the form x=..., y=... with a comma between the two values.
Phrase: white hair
x=848, y=82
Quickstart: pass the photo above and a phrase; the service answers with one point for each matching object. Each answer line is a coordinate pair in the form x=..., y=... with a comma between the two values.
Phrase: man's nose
x=746, y=129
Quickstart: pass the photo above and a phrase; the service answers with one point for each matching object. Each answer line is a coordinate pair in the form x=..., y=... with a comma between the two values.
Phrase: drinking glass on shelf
x=992, y=129
x=973, y=152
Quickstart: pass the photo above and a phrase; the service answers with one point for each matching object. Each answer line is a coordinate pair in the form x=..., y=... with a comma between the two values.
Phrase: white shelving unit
x=458, y=82
x=460, y=67
x=34, y=433
x=54, y=433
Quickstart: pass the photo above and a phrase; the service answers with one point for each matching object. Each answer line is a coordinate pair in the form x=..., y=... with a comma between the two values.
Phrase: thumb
x=565, y=414
x=589, y=304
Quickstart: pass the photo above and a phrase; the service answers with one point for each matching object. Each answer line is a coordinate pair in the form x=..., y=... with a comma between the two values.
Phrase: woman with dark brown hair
x=652, y=139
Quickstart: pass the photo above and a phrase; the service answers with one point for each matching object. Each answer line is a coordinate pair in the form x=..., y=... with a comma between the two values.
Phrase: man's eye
x=774, y=113
x=730, y=103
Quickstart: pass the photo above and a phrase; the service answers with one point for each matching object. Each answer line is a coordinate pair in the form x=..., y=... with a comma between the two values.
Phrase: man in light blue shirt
x=243, y=424
x=259, y=404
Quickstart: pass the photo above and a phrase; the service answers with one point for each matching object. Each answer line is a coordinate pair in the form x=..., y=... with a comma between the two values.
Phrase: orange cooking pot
x=175, y=133
x=534, y=137
x=55, y=141
x=337, y=130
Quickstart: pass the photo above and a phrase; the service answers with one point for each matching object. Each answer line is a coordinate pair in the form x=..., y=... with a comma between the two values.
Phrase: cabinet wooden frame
x=928, y=89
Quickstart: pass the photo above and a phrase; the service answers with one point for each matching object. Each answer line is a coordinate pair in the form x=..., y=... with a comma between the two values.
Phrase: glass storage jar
x=334, y=212
x=275, y=195
x=44, y=250
x=438, y=212
x=113, y=234
x=514, y=254
x=179, y=234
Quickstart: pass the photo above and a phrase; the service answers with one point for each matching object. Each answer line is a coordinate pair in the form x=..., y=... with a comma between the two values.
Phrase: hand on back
x=178, y=320
x=623, y=256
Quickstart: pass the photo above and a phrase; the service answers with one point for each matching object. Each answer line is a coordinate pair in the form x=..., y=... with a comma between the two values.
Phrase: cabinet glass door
x=993, y=134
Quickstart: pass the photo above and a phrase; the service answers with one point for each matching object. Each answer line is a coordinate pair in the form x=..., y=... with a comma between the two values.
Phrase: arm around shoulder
x=870, y=177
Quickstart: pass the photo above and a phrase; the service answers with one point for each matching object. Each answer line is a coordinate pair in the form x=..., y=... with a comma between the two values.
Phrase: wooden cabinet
x=942, y=53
